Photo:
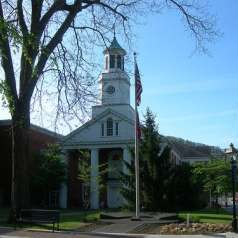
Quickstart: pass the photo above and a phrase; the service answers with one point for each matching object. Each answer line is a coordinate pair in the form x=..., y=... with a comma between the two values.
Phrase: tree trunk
x=20, y=159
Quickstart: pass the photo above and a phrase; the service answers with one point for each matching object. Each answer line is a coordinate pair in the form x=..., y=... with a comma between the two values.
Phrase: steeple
x=115, y=83
x=114, y=56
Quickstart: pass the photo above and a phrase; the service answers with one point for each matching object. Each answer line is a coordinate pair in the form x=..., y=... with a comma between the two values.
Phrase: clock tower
x=114, y=81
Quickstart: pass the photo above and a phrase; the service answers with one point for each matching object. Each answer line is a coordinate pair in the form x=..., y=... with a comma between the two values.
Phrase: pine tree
x=155, y=165
x=154, y=169
x=128, y=190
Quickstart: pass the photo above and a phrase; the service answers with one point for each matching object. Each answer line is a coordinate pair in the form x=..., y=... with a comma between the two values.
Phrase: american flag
x=138, y=85
x=138, y=131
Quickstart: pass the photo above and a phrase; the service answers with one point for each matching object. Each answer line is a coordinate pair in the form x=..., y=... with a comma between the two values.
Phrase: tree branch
x=6, y=57
x=49, y=48
x=56, y=6
x=21, y=19
x=36, y=14
x=98, y=2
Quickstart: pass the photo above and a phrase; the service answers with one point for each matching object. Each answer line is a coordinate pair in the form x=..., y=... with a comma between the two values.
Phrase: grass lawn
x=69, y=219
x=207, y=216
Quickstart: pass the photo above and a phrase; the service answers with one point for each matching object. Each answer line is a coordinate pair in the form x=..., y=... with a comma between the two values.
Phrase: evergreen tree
x=155, y=165
x=163, y=186
x=48, y=172
x=128, y=189
x=154, y=169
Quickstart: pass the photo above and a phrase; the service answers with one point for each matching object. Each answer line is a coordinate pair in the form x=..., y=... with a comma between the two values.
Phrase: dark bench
x=38, y=216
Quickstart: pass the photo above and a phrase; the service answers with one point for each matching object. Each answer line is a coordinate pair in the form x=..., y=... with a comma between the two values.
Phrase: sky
x=194, y=96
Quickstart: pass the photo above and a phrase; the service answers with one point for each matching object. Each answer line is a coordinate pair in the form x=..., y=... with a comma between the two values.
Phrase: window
x=106, y=66
x=102, y=129
x=117, y=129
x=109, y=127
x=112, y=61
x=119, y=62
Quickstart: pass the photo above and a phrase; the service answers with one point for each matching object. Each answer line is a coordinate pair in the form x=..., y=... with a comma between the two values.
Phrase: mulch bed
x=182, y=228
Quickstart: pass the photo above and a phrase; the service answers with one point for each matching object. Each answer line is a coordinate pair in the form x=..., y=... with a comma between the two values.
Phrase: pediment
x=90, y=132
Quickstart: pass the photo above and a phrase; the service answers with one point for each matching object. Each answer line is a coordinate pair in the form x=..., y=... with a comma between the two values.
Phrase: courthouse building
x=108, y=135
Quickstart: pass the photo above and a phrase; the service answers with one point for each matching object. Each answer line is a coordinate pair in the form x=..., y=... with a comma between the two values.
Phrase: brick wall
x=38, y=141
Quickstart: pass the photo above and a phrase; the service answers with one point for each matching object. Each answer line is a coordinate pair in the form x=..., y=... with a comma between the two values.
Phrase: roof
x=93, y=120
x=35, y=128
x=115, y=46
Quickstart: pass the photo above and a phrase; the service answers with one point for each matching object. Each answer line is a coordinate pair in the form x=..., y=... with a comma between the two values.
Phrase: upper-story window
x=102, y=129
x=117, y=129
x=106, y=63
x=112, y=61
x=118, y=61
x=109, y=127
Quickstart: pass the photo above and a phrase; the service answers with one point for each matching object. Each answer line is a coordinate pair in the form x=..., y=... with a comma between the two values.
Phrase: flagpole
x=136, y=154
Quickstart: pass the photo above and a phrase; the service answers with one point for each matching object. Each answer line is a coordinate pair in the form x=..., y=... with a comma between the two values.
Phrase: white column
x=63, y=194
x=94, y=190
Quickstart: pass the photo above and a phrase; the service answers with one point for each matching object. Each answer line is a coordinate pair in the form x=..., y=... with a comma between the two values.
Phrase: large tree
x=155, y=165
x=183, y=191
x=155, y=169
x=215, y=177
x=48, y=44
x=48, y=172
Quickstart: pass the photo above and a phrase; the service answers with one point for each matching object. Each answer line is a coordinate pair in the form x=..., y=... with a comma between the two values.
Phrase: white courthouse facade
x=108, y=135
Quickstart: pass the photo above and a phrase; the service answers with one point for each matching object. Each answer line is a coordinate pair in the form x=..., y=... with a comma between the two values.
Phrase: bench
x=38, y=216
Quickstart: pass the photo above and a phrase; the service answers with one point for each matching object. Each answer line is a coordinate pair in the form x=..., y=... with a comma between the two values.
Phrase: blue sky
x=194, y=97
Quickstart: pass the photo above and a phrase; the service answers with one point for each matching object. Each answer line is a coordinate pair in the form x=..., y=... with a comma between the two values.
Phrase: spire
x=115, y=44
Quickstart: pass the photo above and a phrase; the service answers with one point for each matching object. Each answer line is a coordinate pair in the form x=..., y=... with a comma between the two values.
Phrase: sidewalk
x=122, y=223
x=10, y=233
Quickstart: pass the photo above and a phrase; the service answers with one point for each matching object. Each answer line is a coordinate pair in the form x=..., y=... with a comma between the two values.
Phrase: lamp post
x=232, y=151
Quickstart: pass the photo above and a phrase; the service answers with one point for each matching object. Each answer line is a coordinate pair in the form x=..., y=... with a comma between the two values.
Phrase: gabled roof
x=108, y=111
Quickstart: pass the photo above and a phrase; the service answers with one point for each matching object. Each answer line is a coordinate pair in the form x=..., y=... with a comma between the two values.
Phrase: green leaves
x=7, y=97
x=10, y=31
x=154, y=169
x=216, y=175
x=50, y=169
x=84, y=168
x=163, y=186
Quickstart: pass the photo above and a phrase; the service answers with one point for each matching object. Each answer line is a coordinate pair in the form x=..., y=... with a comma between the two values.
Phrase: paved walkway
x=127, y=225
x=27, y=234
x=120, y=223
x=10, y=233
x=119, y=227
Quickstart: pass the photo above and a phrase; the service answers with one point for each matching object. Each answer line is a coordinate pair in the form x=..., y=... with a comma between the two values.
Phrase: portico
x=113, y=158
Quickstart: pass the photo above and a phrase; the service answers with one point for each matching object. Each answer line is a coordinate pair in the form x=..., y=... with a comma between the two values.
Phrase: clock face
x=110, y=89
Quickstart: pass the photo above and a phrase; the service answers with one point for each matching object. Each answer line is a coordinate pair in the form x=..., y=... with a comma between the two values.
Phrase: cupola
x=114, y=57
